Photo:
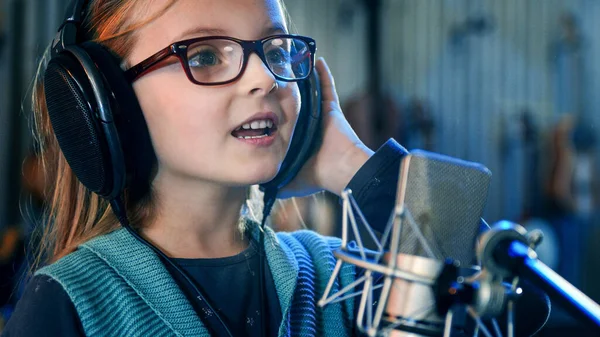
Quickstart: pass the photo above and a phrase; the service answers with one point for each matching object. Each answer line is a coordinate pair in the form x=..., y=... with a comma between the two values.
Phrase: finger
x=327, y=82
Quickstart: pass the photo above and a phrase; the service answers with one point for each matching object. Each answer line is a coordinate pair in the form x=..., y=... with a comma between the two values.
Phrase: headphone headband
x=68, y=32
x=75, y=10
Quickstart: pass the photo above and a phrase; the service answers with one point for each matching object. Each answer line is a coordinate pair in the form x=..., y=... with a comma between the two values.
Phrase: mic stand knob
x=485, y=294
x=501, y=233
x=491, y=295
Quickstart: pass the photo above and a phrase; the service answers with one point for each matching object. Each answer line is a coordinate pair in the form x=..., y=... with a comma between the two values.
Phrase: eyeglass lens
x=220, y=60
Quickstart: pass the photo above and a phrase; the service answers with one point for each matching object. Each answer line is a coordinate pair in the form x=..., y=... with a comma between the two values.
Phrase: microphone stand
x=509, y=254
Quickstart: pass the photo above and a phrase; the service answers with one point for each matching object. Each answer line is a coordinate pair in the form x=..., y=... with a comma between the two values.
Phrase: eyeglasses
x=217, y=60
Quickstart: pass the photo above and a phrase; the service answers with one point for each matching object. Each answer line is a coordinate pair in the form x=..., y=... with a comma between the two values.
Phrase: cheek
x=291, y=105
x=178, y=120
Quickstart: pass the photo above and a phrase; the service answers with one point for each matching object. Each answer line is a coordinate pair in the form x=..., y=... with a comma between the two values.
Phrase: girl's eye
x=203, y=59
x=278, y=56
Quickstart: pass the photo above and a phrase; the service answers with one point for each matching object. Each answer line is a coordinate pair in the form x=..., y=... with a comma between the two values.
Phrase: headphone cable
x=268, y=202
x=119, y=210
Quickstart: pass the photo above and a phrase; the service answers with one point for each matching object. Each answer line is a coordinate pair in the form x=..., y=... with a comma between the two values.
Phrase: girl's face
x=192, y=126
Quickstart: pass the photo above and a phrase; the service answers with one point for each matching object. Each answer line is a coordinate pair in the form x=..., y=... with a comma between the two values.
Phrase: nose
x=257, y=78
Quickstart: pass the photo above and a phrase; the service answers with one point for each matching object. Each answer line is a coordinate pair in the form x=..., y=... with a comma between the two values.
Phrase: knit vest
x=119, y=287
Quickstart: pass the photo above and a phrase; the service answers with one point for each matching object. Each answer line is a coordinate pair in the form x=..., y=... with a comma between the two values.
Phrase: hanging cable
x=118, y=208
x=268, y=200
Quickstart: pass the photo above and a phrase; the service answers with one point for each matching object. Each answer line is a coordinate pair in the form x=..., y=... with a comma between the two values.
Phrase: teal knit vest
x=119, y=287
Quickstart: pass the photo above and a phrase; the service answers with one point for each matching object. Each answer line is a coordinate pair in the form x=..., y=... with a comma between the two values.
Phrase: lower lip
x=260, y=142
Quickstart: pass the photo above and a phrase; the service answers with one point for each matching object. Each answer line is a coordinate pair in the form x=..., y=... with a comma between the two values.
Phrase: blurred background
x=511, y=84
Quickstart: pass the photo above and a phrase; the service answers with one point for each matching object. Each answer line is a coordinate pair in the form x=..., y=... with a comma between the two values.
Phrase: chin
x=262, y=174
x=265, y=177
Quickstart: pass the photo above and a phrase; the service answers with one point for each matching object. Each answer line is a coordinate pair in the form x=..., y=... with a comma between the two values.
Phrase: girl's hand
x=341, y=153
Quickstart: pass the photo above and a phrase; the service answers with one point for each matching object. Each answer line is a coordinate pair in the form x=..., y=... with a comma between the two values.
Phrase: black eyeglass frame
x=180, y=48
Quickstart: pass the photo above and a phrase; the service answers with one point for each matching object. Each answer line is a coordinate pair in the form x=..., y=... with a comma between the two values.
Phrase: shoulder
x=308, y=248
x=298, y=248
x=316, y=267
x=71, y=268
x=309, y=239
x=91, y=257
x=45, y=309
x=87, y=273
x=299, y=241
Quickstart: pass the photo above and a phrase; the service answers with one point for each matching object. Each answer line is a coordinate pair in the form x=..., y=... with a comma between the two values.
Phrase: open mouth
x=256, y=129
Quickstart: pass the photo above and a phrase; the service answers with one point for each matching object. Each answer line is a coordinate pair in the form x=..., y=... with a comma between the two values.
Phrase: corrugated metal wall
x=478, y=80
x=477, y=64
x=339, y=27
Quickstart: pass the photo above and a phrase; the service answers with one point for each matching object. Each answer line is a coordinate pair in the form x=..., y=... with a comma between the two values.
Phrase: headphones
x=100, y=126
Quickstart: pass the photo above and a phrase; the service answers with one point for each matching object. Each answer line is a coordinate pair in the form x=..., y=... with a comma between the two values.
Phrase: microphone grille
x=446, y=198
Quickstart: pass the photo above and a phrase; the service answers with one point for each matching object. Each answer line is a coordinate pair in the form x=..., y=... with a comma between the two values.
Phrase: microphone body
x=439, y=204
x=437, y=213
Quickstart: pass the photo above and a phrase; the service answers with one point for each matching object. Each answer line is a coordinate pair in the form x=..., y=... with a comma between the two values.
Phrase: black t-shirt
x=232, y=286
x=45, y=309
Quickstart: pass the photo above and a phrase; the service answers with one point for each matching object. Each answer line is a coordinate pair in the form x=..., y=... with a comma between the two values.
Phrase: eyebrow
x=277, y=28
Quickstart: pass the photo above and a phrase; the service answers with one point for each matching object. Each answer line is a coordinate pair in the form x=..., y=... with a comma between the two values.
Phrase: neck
x=196, y=219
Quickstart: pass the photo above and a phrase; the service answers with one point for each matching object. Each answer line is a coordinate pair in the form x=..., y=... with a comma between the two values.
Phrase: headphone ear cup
x=135, y=141
x=80, y=111
x=307, y=135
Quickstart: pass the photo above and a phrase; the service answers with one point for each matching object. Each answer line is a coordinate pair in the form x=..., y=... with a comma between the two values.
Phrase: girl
x=213, y=134
x=101, y=281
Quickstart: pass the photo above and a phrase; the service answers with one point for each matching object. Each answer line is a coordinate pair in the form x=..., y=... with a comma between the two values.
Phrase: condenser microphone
x=439, y=204
x=437, y=216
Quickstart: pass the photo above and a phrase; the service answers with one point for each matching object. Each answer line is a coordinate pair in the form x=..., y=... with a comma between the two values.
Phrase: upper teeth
x=259, y=124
